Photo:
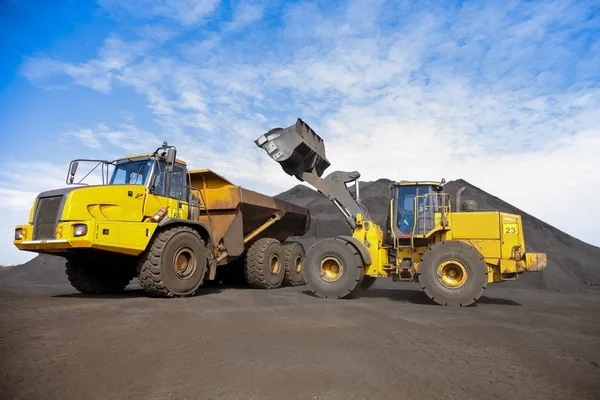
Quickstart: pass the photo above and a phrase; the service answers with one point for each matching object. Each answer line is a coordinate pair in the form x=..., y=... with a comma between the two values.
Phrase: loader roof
x=412, y=183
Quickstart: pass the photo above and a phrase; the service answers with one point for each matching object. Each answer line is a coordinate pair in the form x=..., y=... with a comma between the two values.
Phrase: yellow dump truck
x=453, y=252
x=172, y=228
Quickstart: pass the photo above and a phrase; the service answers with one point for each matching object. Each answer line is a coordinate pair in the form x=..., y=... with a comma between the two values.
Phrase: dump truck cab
x=113, y=215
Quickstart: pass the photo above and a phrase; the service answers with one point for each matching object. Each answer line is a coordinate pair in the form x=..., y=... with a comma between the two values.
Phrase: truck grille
x=46, y=217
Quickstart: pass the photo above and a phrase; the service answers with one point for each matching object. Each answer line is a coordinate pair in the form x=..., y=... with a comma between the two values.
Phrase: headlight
x=18, y=234
x=79, y=230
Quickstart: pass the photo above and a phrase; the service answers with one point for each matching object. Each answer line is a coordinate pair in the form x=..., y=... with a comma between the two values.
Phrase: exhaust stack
x=296, y=148
x=459, y=193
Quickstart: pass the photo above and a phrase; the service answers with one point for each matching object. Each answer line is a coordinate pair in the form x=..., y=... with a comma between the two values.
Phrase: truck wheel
x=333, y=268
x=94, y=277
x=368, y=282
x=265, y=267
x=174, y=264
x=453, y=273
x=293, y=253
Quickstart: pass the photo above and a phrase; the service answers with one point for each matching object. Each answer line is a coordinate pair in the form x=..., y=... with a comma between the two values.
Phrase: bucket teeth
x=296, y=148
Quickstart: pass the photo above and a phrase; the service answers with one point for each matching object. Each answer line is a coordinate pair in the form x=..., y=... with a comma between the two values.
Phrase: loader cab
x=414, y=205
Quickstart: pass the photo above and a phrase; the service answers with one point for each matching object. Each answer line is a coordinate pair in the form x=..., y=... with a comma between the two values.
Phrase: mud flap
x=234, y=237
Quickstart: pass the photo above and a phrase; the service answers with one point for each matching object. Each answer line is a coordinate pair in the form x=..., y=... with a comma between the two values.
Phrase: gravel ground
x=235, y=343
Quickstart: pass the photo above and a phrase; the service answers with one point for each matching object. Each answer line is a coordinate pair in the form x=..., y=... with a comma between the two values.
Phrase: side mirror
x=73, y=171
x=171, y=155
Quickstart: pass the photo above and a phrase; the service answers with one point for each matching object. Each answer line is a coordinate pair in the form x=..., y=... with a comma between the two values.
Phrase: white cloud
x=87, y=138
x=245, y=13
x=97, y=74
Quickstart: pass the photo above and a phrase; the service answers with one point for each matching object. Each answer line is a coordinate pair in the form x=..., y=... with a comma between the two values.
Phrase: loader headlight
x=80, y=229
x=19, y=234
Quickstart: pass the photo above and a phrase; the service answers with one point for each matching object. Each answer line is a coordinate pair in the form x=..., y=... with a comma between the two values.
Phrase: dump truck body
x=151, y=203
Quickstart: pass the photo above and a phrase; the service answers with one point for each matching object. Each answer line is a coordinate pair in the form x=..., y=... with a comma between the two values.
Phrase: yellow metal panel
x=475, y=225
x=123, y=237
x=116, y=202
x=511, y=266
x=31, y=211
x=488, y=248
x=105, y=232
x=535, y=262
x=372, y=238
x=494, y=274
x=512, y=235
x=154, y=203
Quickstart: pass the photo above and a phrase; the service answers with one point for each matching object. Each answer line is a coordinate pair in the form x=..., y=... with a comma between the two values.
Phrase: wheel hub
x=184, y=263
x=331, y=269
x=275, y=264
x=452, y=274
x=298, y=264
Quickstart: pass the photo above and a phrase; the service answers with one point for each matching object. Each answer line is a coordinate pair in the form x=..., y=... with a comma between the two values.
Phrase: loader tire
x=174, y=264
x=264, y=268
x=293, y=253
x=333, y=268
x=453, y=273
x=91, y=276
x=368, y=282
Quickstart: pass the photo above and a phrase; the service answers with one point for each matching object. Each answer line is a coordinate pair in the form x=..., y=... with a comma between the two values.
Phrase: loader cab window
x=131, y=173
x=405, y=203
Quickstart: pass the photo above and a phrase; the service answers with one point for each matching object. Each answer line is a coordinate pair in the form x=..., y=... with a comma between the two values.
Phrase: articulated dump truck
x=452, y=250
x=173, y=228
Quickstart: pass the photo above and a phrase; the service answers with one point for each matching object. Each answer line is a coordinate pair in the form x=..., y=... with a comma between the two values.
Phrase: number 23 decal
x=510, y=229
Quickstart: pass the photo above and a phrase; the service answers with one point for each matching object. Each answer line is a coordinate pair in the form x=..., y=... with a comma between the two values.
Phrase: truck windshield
x=131, y=173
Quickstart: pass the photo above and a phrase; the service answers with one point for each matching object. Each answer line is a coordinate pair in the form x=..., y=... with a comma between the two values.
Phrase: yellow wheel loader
x=452, y=252
x=172, y=228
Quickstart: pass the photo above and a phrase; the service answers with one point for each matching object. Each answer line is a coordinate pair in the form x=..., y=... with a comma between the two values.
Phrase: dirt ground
x=235, y=343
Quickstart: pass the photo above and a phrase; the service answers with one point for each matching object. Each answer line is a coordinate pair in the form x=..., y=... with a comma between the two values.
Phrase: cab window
x=178, y=189
x=405, y=207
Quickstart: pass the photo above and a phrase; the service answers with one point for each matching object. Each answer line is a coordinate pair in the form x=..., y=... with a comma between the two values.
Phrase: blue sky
x=503, y=94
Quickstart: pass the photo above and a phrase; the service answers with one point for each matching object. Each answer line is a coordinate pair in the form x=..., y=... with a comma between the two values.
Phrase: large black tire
x=265, y=267
x=368, y=282
x=453, y=273
x=98, y=276
x=294, y=259
x=322, y=261
x=174, y=264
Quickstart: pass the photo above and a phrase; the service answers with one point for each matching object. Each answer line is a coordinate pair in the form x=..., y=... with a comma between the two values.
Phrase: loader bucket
x=296, y=148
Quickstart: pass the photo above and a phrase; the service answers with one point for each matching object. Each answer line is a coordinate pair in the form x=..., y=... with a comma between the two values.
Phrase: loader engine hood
x=108, y=202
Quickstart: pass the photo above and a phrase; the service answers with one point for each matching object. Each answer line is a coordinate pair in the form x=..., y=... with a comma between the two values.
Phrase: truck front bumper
x=64, y=239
